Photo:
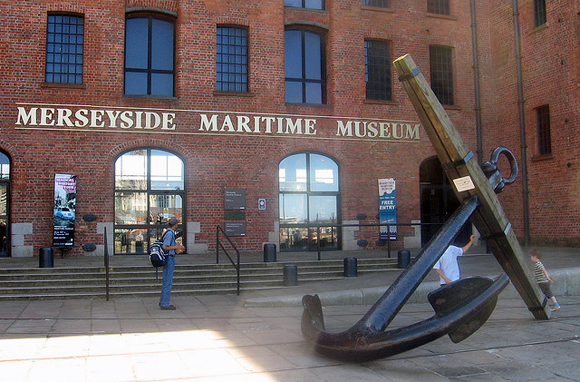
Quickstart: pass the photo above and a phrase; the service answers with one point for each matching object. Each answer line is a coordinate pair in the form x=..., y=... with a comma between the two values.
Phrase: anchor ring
x=491, y=170
x=512, y=161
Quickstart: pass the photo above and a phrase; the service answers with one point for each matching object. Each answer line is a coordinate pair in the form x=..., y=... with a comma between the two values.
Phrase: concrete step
x=140, y=280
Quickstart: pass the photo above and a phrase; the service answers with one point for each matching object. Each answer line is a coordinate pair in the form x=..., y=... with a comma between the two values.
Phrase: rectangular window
x=539, y=12
x=149, y=56
x=544, y=137
x=439, y=7
x=378, y=70
x=377, y=3
x=312, y=4
x=232, y=59
x=64, y=49
x=441, y=65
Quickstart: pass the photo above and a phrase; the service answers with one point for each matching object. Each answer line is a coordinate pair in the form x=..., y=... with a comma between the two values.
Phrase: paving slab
x=225, y=338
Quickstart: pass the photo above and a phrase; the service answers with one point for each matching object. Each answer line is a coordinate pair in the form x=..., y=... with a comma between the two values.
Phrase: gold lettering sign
x=202, y=122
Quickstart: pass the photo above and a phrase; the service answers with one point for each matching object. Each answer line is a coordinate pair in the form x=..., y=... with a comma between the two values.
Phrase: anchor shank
x=469, y=179
x=391, y=302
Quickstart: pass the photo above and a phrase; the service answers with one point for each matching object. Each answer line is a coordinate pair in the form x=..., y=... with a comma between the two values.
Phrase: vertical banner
x=388, y=208
x=65, y=201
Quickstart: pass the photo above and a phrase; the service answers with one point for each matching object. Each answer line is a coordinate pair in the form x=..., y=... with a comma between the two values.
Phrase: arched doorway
x=149, y=190
x=4, y=205
x=438, y=202
x=309, y=194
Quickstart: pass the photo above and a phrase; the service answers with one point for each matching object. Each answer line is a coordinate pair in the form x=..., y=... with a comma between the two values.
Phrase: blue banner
x=388, y=208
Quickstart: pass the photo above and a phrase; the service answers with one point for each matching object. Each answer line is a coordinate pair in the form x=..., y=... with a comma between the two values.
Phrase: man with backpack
x=170, y=247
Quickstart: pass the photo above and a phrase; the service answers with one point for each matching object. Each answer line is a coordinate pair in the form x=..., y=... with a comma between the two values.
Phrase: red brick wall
x=550, y=72
x=215, y=162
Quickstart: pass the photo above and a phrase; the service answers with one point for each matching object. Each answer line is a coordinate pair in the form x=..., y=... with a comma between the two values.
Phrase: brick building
x=544, y=117
x=274, y=120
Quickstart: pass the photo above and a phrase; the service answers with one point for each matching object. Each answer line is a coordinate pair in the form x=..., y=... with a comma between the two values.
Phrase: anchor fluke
x=362, y=343
x=312, y=316
x=453, y=297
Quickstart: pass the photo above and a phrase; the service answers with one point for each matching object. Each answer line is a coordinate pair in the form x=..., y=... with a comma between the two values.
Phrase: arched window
x=305, y=65
x=149, y=189
x=4, y=166
x=149, y=55
x=309, y=197
x=4, y=205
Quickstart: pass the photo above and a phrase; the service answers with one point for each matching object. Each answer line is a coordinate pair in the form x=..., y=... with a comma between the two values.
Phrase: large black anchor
x=461, y=307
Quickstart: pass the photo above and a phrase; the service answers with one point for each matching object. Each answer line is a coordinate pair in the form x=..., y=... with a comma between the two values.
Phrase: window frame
x=540, y=13
x=304, y=3
x=304, y=80
x=375, y=86
x=377, y=3
x=442, y=73
x=311, y=190
x=53, y=53
x=149, y=71
x=439, y=7
x=240, y=68
x=150, y=229
x=543, y=130
x=5, y=166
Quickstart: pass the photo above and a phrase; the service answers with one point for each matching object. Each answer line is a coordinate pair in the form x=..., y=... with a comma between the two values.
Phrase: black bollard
x=350, y=267
x=290, y=275
x=403, y=259
x=46, y=258
x=269, y=253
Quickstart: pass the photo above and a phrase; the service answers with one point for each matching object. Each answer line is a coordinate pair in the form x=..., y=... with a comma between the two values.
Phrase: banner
x=388, y=208
x=65, y=200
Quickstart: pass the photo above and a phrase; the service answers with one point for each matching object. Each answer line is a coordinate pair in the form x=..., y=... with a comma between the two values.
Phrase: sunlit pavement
x=220, y=338
x=214, y=338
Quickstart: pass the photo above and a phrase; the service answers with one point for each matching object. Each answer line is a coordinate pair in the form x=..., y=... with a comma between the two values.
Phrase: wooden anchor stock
x=469, y=179
x=463, y=306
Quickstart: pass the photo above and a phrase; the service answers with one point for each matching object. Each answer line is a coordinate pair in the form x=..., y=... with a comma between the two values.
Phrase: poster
x=65, y=200
x=388, y=208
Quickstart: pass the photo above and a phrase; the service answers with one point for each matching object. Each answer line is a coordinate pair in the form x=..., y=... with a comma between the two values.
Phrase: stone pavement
x=256, y=336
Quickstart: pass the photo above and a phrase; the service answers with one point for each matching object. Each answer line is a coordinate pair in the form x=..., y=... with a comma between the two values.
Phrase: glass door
x=309, y=203
x=149, y=190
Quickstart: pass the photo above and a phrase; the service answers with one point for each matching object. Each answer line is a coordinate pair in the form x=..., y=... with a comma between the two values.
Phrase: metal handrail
x=388, y=225
x=106, y=259
x=217, y=254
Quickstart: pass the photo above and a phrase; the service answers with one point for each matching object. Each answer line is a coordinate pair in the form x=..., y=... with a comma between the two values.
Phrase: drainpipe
x=476, y=81
x=521, y=101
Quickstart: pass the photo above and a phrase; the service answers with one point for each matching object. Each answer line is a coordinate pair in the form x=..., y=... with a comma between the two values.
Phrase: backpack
x=157, y=254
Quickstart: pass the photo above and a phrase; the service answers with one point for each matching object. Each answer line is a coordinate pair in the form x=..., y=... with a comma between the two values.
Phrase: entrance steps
x=140, y=280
